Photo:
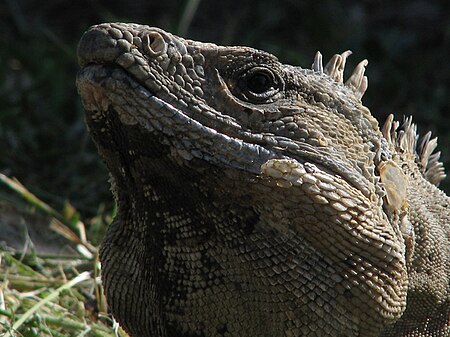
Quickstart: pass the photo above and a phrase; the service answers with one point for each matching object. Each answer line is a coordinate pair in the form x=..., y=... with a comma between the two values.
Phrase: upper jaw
x=152, y=56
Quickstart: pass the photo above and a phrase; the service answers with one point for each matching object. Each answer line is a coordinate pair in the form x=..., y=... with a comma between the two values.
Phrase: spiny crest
x=335, y=69
x=404, y=139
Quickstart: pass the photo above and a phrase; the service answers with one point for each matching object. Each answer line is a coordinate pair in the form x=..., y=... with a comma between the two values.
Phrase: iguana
x=257, y=198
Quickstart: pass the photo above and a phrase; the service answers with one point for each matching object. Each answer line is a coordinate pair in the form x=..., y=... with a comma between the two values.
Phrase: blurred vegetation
x=44, y=142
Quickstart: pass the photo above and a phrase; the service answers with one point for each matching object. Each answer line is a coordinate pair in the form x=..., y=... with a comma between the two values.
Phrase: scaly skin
x=257, y=198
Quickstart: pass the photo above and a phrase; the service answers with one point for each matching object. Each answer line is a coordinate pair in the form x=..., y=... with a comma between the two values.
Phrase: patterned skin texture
x=257, y=198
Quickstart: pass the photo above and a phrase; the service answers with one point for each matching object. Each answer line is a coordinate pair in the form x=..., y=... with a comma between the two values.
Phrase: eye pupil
x=259, y=83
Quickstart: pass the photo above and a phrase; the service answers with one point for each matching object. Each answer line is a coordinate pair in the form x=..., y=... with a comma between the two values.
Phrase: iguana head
x=231, y=135
x=230, y=107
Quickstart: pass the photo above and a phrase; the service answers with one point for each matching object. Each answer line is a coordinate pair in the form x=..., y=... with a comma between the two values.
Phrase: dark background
x=43, y=140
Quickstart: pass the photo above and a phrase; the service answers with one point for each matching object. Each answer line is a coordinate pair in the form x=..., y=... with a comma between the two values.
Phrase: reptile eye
x=258, y=84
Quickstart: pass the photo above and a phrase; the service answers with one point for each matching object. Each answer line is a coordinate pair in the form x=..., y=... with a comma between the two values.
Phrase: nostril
x=154, y=44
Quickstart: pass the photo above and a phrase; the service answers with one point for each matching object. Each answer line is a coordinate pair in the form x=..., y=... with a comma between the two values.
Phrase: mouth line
x=156, y=115
x=241, y=150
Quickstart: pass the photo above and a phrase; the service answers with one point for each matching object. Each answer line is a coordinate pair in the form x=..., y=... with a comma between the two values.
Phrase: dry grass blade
x=82, y=277
x=49, y=294
x=60, y=224
x=39, y=304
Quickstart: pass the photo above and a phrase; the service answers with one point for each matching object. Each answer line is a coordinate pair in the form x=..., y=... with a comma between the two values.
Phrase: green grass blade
x=80, y=278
